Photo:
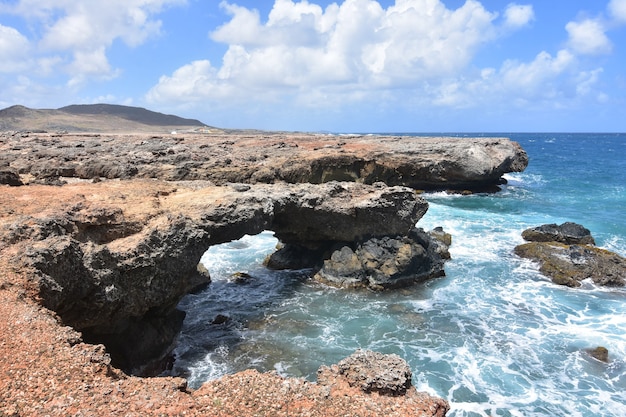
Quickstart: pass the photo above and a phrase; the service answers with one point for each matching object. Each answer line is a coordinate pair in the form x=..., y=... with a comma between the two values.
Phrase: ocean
x=493, y=337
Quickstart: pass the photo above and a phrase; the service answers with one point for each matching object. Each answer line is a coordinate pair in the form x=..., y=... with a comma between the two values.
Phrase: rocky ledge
x=566, y=253
x=106, y=232
x=113, y=258
x=423, y=163
x=46, y=370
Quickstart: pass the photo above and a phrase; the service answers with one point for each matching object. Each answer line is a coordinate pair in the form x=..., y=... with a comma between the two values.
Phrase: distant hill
x=94, y=118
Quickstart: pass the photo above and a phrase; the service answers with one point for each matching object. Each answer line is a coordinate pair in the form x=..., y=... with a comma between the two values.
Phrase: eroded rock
x=568, y=233
x=371, y=372
x=383, y=263
x=110, y=257
x=437, y=163
x=566, y=254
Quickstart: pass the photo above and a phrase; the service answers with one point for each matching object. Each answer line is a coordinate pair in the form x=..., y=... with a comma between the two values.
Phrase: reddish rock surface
x=47, y=370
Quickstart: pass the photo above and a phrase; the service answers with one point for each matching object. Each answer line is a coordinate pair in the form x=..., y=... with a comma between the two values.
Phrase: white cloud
x=355, y=46
x=588, y=37
x=517, y=15
x=195, y=82
x=617, y=9
x=85, y=30
x=14, y=50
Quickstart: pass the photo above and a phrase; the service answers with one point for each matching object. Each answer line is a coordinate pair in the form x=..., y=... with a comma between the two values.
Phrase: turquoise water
x=493, y=337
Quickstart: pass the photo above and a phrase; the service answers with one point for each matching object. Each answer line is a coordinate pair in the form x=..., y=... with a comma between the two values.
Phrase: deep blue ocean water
x=493, y=337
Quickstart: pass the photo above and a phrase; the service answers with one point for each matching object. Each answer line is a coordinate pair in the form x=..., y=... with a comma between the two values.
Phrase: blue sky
x=318, y=65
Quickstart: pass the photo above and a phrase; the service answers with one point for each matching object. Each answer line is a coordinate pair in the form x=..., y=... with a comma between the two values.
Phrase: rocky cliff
x=106, y=231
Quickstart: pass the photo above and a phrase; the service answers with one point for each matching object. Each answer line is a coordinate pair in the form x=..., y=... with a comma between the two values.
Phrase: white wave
x=238, y=256
x=214, y=365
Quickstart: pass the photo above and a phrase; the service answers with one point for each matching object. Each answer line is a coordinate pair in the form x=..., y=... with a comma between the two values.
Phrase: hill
x=94, y=118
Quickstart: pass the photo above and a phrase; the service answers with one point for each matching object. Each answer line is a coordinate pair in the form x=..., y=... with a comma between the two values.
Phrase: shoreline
x=124, y=184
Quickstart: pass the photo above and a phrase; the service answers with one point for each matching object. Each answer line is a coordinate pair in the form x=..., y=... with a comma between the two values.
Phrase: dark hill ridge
x=136, y=114
x=92, y=117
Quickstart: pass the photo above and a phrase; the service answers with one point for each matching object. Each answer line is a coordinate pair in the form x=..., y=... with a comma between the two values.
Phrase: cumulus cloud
x=356, y=44
x=84, y=30
x=588, y=37
x=617, y=9
x=537, y=81
x=517, y=15
x=14, y=50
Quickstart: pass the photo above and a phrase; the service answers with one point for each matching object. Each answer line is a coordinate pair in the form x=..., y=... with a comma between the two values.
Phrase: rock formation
x=107, y=232
x=568, y=233
x=386, y=262
x=566, y=254
x=421, y=163
x=114, y=258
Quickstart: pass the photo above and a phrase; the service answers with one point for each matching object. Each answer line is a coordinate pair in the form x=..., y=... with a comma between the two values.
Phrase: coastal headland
x=101, y=235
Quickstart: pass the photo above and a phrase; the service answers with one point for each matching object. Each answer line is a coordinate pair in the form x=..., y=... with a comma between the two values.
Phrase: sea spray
x=494, y=336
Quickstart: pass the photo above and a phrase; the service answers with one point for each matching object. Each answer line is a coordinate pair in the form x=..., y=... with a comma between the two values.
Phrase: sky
x=317, y=65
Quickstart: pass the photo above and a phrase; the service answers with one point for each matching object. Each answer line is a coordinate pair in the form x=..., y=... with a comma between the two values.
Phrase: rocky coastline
x=103, y=233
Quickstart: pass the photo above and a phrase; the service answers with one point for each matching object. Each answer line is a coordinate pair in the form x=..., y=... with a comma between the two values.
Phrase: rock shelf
x=103, y=233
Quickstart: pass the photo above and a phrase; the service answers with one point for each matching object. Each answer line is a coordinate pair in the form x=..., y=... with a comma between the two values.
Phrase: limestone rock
x=372, y=372
x=570, y=264
x=383, y=263
x=568, y=233
x=436, y=163
x=111, y=257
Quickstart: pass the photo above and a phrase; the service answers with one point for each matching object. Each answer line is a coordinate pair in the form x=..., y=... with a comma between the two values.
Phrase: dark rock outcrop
x=10, y=177
x=566, y=254
x=386, y=262
x=568, y=233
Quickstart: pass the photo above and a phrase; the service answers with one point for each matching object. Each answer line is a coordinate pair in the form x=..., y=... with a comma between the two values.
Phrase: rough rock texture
x=568, y=233
x=570, y=264
x=386, y=262
x=566, y=254
x=421, y=163
x=10, y=177
x=113, y=255
x=46, y=370
x=114, y=258
x=371, y=372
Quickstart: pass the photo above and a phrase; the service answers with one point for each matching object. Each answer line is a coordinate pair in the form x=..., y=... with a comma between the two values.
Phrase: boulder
x=383, y=263
x=600, y=353
x=371, y=372
x=568, y=233
x=570, y=264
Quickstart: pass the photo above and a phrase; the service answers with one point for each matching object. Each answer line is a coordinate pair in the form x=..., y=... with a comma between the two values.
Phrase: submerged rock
x=600, y=353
